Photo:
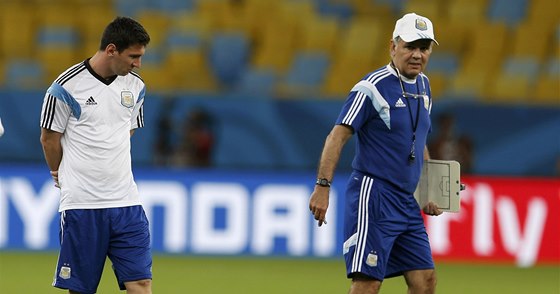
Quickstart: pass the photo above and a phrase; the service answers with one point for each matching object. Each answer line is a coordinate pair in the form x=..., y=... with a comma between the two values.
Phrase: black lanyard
x=412, y=155
x=414, y=123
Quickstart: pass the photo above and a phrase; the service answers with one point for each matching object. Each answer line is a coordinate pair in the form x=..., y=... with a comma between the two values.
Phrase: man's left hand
x=432, y=209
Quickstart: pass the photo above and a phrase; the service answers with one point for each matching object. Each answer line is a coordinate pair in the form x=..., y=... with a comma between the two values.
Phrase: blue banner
x=206, y=212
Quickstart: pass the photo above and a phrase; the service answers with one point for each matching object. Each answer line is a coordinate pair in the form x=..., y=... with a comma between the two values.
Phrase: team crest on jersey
x=372, y=259
x=421, y=24
x=127, y=99
x=65, y=272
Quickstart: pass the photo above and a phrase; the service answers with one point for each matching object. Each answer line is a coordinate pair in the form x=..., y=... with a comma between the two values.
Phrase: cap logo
x=421, y=24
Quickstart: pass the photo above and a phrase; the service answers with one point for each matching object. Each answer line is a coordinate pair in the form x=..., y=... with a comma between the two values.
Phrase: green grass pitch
x=31, y=272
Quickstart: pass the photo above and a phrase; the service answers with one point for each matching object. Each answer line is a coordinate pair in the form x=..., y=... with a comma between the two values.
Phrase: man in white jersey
x=389, y=110
x=89, y=113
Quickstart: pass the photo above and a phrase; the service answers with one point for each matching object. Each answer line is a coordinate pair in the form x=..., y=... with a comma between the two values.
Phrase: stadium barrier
x=213, y=212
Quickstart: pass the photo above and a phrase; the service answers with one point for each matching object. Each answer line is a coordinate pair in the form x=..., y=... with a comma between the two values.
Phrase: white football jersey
x=95, y=117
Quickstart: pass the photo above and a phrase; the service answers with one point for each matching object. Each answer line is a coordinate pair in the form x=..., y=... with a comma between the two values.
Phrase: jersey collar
x=98, y=77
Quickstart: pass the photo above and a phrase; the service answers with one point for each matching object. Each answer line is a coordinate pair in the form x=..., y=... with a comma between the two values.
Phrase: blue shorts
x=89, y=236
x=384, y=230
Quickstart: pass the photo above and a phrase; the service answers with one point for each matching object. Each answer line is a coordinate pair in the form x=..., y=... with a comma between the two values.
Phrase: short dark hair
x=124, y=32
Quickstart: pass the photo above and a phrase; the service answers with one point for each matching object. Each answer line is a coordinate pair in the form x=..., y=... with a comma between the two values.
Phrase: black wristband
x=323, y=182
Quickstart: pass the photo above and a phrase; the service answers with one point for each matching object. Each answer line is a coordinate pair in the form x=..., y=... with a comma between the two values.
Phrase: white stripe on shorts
x=362, y=227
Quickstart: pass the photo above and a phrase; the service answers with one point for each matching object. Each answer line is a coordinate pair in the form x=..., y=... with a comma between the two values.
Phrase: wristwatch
x=323, y=182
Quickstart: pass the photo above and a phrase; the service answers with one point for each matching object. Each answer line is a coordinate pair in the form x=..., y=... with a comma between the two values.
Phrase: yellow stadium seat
x=18, y=28
x=273, y=51
x=155, y=79
x=188, y=70
x=547, y=90
x=507, y=88
x=55, y=60
x=361, y=50
x=430, y=9
x=468, y=83
x=319, y=34
x=91, y=28
x=438, y=84
x=343, y=74
x=531, y=40
x=257, y=13
x=371, y=9
x=452, y=37
x=486, y=48
x=157, y=24
x=544, y=12
x=57, y=14
x=192, y=22
x=467, y=11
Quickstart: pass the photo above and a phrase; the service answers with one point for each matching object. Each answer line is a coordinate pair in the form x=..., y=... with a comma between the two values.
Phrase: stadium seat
x=371, y=10
x=430, y=9
x=189, y=71
x=507, y=89
x=531, y=40
x=552, y=67
x=171, y=7
x=442, y=62
x=306, y=74
x=57, y=36
x=543, y=12
x=453, y=38
x=395, y=5
x=156, y=23
x=319, y=33
x=191, y=23
x=343, y=11
x=469, y=84
x=130, y=8
x=438, y=84
x=466, y=11
x=17, y=42
x=274, y=52
x=527, y=67
x=91, y=28
x=25, y=74
x=228, y=56
x=360, y=51
x=509, y=12
x=547, y=90
x=256, y=83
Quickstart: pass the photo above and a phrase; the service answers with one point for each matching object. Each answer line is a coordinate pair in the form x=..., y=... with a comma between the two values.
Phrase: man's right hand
x=54, y=175
x=318, y=204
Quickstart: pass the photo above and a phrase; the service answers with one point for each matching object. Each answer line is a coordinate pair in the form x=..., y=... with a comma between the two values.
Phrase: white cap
x=412, y=27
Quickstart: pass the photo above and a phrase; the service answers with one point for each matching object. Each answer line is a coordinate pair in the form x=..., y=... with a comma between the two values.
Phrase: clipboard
x=440, y=182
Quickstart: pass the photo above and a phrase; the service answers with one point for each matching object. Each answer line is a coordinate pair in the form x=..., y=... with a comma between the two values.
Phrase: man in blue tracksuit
x=389, y=111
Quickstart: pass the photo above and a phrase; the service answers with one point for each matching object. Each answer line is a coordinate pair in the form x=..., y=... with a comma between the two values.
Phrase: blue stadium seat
x=443, y=62
x=57, y=36
x=171, y=6
x=553, y=67
x=182, y=39
x=395, y=5
x=24, y=74
x=308, y=69
x=521, y=66
x=343, y=11
x=257, y=82
x=228, y=56
x=510, y=12
x=130, y=7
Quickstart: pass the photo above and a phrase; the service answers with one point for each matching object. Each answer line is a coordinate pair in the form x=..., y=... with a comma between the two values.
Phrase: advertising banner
x=211, y=212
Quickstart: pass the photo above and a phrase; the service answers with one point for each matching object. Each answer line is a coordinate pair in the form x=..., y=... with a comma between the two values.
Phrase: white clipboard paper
x=440, y=183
